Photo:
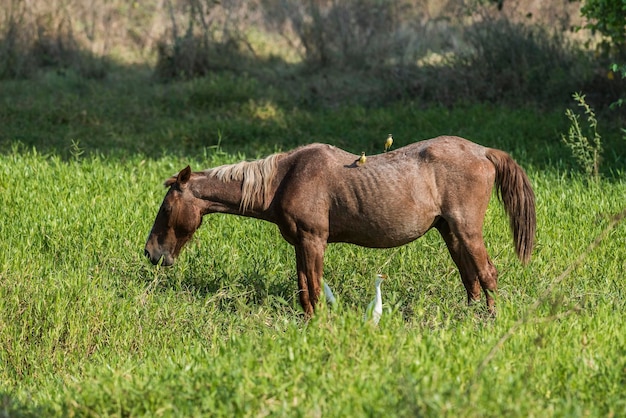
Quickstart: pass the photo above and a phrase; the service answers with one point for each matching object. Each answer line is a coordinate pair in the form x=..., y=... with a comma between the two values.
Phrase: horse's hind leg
x=474, y=246
x=468, y=251
x=459, y=256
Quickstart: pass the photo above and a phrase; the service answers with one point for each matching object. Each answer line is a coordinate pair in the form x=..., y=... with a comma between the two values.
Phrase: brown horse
x=318, y=194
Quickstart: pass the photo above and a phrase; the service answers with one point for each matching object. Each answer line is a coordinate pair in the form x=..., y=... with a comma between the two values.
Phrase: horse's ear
x=170, y=181
x=184, y=175
x=181, y=178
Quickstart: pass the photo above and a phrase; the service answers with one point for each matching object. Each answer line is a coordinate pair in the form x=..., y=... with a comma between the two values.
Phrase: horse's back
x=452, y=150
x=432, y=167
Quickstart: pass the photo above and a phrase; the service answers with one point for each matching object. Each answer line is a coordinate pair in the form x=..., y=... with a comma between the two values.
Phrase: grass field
x=89, y=328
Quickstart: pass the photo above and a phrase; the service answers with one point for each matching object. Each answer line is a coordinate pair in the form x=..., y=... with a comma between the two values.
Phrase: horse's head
x=178, y=218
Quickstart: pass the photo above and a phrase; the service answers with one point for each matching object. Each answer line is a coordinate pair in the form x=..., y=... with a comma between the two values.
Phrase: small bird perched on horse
x=388, y=142
x=316, y=195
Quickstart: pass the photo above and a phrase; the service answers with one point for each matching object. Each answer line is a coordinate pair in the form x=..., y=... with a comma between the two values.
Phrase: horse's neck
x=225, y=197
x=219, y=196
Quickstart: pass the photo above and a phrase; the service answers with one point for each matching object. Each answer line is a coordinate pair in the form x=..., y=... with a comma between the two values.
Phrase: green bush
x=609, y=18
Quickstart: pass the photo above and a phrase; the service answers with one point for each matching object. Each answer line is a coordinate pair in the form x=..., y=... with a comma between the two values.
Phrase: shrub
x=83, y=36
x=211, y=39
x=355, y=34
x=508, y=60
x=43, y=37
x=586, y=147
x=14, y=63
x=609, y=18
x=621, y=70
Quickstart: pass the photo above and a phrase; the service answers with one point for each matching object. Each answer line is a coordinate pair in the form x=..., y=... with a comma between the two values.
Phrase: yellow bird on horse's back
x=388, y=142
x=362, y=159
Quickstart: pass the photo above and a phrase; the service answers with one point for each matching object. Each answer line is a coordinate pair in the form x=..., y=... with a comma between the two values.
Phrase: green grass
x=89, y=328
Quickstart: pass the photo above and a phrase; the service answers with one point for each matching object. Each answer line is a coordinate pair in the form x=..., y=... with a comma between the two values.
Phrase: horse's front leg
x=310, y=265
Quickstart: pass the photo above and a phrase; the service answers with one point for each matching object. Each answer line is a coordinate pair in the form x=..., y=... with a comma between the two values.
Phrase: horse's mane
x=255, y=176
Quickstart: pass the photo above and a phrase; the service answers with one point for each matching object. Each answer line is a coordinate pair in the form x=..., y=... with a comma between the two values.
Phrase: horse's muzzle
x=166, y=259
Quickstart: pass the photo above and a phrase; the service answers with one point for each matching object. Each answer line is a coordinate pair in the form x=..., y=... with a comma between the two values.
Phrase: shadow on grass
x=252, y=286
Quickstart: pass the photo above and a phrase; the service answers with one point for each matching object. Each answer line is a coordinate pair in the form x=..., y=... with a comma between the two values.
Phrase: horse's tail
x=516, y=194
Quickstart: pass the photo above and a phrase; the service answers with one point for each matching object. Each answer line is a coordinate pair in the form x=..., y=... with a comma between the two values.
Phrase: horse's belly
x=385, y=232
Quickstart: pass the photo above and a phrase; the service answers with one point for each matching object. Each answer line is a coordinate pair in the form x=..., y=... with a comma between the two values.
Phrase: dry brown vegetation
x=435, y=50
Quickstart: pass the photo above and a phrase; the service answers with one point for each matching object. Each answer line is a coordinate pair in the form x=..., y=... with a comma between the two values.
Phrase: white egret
x=330, y=298
x=375, y=308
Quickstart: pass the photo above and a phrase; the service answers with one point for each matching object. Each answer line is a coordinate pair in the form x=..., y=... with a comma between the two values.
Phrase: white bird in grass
x=330, y=298
x=375, y=308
